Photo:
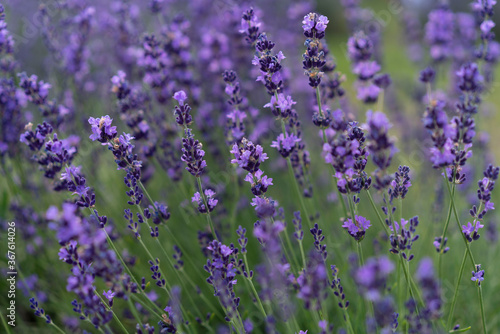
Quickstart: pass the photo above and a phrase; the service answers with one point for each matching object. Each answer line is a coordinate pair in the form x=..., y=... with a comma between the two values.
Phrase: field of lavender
x=248, y=166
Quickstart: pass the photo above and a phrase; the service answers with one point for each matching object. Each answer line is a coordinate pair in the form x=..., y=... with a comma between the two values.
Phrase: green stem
x=382, y=222
x=134, y=311
x=481, y=303
x=4, y=323
x=347, y=320
x=467, y=245
x=380, y=105
x=147, y=307
x=407, y=276
x=455, y=294
x=443, y=236
x=57, y=328
x=297, y=190
x=302, y=253
x=236, y=199
x=290, y=258
x=259, y=302
x=249, y=279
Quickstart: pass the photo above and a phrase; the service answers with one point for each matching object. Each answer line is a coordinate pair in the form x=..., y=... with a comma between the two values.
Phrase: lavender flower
x=269, y=64
x=223, y=269
x=248, y=156
x=338, y=289
x=313, y=282
x=192, y=154
x=478, y=275
x=102, y=130
x=285, y=143
x=318, y=239
x=250, y=26
x=380, y=146
x=211, y=201
x=347, y=153
x=439, y=33
x=282, y=106
x=297, y=223
x=360, y=50
x=431, y=289
x=437, y=243
x=39, y=312
x=401, y=183
x=403, y=237
x=372, y=277
x=357, y=229
x=109, y=296
x=314, y=26
x=182, y=111
x=259, y=182
x=235, y=126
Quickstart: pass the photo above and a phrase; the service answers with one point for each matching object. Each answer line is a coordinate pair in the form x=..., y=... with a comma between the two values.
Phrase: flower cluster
x=486, y=186
x=235, y=126
x=249, y=157
x=358, y=228
x=380, y=146
x=431, y=290
x=192, y=152
x=314, y=26
x=338, y=289
x=346, y=152
x=403, y=236
x=439, y=33
x=285, y=143
x=313, y=282
x=400, y=184
x=211, y=202
x=360, y=51
x=223, y=268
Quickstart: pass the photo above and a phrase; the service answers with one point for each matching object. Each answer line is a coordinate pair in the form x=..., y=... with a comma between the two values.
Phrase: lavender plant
x=313, y=184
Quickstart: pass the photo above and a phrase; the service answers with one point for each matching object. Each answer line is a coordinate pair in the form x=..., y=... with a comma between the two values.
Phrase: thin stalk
x=400, y=208
x=290, y=258
x=360, y=253
x=368, y=304
x=134, y=311
x=448, y=217
x=297, y=190
x=467, y=245
x=481, y=303
x=289, y=244
x=380, y=105
x=261, y=306
x=133, y=296
x=302, y=253
x=259, y=302
x=347, y=320
x=400, y=292
x=455, y=294
x=407, y=276
x=381, y=220
x=4, y=323
x=325, y=140
x=236, y=198
x=57, y=328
